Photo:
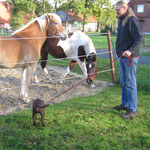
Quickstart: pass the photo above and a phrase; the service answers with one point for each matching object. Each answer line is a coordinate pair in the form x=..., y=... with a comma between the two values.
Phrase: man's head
x=121, y=8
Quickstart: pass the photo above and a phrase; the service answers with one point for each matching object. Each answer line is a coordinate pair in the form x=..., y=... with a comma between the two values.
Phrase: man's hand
x=126, y=53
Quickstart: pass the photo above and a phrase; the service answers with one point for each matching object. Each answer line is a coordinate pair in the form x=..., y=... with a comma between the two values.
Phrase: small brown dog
x=38, y=106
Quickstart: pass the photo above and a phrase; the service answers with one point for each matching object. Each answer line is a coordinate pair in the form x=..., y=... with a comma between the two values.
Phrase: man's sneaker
x=129, y=115
x=120, y=107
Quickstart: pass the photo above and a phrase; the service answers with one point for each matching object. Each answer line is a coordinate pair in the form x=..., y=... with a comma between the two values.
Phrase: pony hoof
x=36, y=83
x=50, y=81
x=60, y=82
x=92, y=86
x=27, y=101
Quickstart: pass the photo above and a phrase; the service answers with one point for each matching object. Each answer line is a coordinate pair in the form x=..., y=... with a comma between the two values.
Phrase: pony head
x=91, y=67
x=51, y=23
x=55, y=27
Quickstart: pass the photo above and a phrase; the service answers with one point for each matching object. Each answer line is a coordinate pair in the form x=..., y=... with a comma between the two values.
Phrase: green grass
x=147, y=40
x=100, y=41
x=81, y=123
x=145, y=53
x=143, y=71
x=84, y=123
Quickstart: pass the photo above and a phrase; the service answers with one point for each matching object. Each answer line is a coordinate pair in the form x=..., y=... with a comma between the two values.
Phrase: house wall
x=144, y=17
x=5, y=15
x=75, y=22
x=90, y=27
x=146, y=25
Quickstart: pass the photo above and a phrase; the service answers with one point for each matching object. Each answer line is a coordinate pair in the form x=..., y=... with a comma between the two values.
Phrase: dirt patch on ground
x=10, y=88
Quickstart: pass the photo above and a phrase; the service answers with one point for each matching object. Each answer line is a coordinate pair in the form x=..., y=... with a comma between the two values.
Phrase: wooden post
x=144, y=42
x=111, y=56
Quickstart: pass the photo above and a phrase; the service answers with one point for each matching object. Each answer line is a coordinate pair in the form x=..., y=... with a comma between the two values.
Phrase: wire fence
x=143, y=67
x=101, y=44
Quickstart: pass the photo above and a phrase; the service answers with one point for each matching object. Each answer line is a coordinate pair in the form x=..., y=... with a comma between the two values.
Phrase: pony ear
x=94, y=57
x=70, y=34
x=49, y=16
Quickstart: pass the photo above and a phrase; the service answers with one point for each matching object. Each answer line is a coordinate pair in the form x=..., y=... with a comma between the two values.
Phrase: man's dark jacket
x=129, y=35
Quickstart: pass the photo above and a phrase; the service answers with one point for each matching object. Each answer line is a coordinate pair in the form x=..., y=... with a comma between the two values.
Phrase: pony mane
x=41, y=21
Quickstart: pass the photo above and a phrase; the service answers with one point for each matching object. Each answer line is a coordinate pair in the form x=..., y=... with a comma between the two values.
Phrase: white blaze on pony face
x=90, y=66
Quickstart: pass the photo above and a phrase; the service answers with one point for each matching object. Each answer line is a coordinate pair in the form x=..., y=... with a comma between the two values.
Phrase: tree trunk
x=84, y=15
x=98, y=27
x=44, y=6
x=83, y=22
x=66, y=23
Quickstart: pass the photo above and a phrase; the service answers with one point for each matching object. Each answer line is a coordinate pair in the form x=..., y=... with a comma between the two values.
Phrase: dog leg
x=34, y=119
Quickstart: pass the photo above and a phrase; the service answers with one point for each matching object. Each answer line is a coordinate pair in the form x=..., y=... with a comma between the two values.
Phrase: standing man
x=129, y=39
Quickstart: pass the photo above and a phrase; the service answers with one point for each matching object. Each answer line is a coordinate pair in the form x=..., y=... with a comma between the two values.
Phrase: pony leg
x=29, y=72
x=26, y=76
x=83, y=67
x=71, y=65
x=24, y=91
x=45, y=71
x=35, y=78
x=44, y=56
x=23, y=83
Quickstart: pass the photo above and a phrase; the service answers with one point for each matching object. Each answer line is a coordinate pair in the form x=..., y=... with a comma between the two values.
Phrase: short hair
x=122, y=3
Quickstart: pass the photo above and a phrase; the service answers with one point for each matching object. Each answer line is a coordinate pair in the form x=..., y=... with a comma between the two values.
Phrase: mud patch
x=10, y=88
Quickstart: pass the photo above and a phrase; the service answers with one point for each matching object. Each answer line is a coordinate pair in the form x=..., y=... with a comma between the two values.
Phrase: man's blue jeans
x=128, y=82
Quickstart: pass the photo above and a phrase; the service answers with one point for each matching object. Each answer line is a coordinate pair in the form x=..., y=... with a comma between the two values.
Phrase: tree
x=20, y=8
x=43, y=7
x=78, y=7
x=104, y=13
x=23, y=7
x=66, y=7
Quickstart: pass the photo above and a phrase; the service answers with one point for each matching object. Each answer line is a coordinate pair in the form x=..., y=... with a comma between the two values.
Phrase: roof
x=5, y=12
x=131, y=2
x=73, y=18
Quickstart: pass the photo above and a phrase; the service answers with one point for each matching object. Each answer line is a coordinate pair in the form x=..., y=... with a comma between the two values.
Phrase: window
x=140, y=8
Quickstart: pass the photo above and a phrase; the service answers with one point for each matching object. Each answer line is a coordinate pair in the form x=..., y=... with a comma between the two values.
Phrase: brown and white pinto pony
x=22, y=49
x=78, y=47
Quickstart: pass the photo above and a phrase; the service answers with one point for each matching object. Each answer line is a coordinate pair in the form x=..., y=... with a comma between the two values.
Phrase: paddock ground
x=10, y=88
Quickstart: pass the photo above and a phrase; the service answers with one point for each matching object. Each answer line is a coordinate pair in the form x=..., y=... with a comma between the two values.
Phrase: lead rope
x=128, y=61
x=78, y=83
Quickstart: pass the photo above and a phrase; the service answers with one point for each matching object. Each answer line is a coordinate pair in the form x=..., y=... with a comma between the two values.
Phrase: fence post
x=144, y=42
x=111, y=56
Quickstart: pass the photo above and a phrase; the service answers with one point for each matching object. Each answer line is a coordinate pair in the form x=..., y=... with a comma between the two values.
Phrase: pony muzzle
x=90, y=78
x=63, y=36
x=89, y=81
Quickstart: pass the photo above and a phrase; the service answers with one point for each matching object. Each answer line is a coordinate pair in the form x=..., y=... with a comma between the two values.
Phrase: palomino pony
x=22, y=49
x=78, y=47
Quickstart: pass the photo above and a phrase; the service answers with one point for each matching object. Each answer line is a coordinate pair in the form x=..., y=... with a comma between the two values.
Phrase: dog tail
x=43, y=106
x=46, y=105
